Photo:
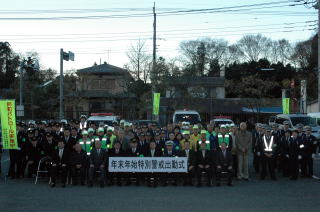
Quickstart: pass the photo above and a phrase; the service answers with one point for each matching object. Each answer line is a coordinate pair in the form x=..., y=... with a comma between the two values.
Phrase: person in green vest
x=111, y=137
x=203, y=139
x=85, y=142
x=105, y=144
x=223, y=136
x=90, y=133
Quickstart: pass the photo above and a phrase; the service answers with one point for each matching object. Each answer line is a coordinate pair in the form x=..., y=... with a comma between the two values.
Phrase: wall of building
x=312, y=108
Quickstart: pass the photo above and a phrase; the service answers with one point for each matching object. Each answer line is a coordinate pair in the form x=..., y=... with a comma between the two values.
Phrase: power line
x=181, y=12
x=147, y=32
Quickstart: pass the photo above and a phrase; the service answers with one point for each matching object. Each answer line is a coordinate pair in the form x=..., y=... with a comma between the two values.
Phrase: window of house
x=102, y=84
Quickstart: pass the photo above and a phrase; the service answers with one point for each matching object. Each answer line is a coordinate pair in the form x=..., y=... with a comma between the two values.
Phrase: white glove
x=313, y=155
x=299, y=157
x=258, y=153
x=287, y=155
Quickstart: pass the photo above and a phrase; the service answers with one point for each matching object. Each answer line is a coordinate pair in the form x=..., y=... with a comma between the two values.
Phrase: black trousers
x=55, y=170
x=294, y=167
x=135, y=175
x=32, y=168
x=256, y=163
x=155, y=176
x=235, y=166
x=284, y=165
x=208, y=172
x=307, y=166
x=187, y=178
x=102, y=174
x=78, y=173
x=229, y=173
x=15, y=169
x=167, y=176
x=268, y=163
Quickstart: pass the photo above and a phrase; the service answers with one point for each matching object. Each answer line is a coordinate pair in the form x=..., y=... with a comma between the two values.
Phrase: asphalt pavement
x=255, y=195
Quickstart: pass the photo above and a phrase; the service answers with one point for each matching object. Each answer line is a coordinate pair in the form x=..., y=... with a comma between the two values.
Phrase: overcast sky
x=108, y=37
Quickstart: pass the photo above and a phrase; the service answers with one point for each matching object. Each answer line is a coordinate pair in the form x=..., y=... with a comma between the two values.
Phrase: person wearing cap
x=224, y=163
x=91, y=133
x=176, y=141
x=299, y=127
x=85, y=142
x=211, y=136
x=268, y=150
x=191, y=156
x=60, y=162
x=170, y=151
x=133, y=151
x=83, y=123
x=186, y=137
x=195, y=137
x=111, y=137
x=204, y=163
x=203, y=139
x=33, y=156
x=48, y=145
x=78, y=162
x=283, y=149
x=243, y=145
x=105, y=142
x=116, y=151
x=294, y=154
x=285, y=127
x=308, y=145
x=223, y=136
x=97, y=162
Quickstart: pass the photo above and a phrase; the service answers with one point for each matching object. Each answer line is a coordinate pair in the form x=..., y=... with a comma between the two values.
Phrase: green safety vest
x=207, y=144
x=224, y=139
x=208, y=135
x=86, y=145
x=105, y=144
x=112, y=139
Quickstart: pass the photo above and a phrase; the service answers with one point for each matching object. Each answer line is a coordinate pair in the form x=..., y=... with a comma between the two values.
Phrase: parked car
x=102, y=119
x=191, y=116
x=295, y=119
x=220, y=121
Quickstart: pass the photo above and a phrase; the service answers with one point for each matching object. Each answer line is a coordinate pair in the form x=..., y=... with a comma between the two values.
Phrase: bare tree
x=302, y=54
x=254, y=47
x=139, y=61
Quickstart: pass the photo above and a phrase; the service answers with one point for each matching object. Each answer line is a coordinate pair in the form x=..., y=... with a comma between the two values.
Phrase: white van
x=102, y=119
x=191, y=116
x=315, y=117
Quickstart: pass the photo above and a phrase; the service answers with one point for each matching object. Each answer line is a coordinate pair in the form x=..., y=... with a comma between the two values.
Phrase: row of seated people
x=86, y=165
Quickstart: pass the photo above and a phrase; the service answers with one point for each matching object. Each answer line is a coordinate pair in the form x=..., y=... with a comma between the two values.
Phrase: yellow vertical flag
x=8, y=124
x=286, y=105
x=156, y=103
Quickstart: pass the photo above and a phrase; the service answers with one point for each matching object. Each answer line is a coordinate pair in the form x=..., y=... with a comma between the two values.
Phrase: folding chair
x=43, y=160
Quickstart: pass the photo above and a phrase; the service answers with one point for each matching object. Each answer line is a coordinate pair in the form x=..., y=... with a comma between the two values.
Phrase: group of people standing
x=80, y=154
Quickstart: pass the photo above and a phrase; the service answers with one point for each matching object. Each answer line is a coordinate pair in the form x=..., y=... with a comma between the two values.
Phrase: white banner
x=148, y=164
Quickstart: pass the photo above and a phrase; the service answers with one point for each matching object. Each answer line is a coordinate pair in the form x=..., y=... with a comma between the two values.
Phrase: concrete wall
x=312, y=108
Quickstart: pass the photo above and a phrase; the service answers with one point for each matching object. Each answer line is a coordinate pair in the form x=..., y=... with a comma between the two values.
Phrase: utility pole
x=318, y=69
x=153, y=75
x=21, y=83
x=61, y=86
x=63, y=56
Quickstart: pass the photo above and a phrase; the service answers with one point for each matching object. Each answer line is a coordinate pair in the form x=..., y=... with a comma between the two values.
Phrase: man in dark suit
x=223, y=162
x=48, y=145
x=153, y=151
x=78, y=164
x=68, y=140
x=33, y=156
x=204, y=162
x=142, y=144
x=294, y=154
x=308, y=145
x=116, y=151
x=283, y=151
x=61, y=158
x=133, y=151
x=170, y=152
x=98, y=162
x=190, y=154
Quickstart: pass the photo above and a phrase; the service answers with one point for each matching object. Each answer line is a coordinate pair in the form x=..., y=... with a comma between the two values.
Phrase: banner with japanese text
x=148, y=164
x=8, y=124
x=156, y=103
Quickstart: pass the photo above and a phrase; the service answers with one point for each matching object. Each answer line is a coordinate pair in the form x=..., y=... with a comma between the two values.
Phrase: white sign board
x=148, y=164
x=20, y=110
